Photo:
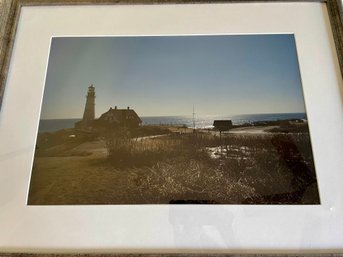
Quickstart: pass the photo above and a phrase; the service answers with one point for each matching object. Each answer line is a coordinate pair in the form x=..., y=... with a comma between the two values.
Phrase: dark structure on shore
x=120, y=117
x=113, y=118
x=222, y=125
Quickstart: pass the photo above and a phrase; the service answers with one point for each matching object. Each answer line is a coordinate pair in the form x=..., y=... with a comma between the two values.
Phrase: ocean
x=205, y=121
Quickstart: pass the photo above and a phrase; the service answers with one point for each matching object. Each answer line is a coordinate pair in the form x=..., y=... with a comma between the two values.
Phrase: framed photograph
x=171, y=128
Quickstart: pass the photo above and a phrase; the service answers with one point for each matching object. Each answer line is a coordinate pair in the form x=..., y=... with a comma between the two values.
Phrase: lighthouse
x=89, y=113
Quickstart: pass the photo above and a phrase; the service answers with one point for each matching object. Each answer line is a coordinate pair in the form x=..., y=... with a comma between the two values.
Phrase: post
x=220, y=140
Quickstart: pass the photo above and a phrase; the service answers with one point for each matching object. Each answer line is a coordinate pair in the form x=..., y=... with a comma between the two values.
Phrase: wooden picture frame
x=9, y=16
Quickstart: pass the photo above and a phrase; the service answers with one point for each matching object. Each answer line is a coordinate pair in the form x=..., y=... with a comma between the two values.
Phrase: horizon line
x=190, y=115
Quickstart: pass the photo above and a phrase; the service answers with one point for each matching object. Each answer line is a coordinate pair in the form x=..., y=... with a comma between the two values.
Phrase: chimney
x=115, y=107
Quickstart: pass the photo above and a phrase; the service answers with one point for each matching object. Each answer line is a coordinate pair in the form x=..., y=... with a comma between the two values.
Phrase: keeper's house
x=120, y=117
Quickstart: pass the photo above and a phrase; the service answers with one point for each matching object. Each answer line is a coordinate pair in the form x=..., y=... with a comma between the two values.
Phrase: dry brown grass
x=188, y=180
x=123, y=169
x=179, y=167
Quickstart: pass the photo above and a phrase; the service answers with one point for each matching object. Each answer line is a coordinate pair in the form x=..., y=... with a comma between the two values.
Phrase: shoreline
x=248, y=128
x=205, y=122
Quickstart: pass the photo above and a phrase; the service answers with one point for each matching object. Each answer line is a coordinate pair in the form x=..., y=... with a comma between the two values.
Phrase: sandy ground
x=251, y=130
x=150, y=137
x=242, y=130
x=77, y=179
x=96, y=148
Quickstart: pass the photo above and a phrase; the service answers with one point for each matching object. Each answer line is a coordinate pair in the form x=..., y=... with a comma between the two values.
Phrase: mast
x=193, y=119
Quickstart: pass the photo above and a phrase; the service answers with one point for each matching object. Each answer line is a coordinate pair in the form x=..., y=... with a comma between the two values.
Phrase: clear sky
x=166, y=75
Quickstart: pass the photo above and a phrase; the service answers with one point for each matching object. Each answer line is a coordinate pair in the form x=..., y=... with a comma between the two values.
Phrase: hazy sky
x=160, y=76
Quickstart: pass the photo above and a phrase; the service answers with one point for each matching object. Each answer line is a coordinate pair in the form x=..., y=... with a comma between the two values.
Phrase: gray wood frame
x=9, y=16
x=166, y=255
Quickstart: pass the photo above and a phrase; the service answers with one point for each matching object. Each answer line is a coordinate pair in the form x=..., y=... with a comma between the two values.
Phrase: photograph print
x=200, y=119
